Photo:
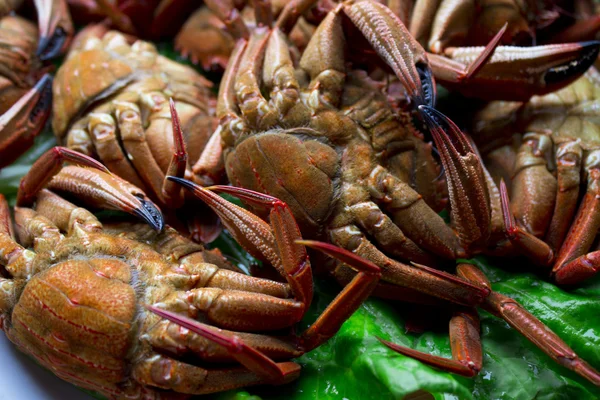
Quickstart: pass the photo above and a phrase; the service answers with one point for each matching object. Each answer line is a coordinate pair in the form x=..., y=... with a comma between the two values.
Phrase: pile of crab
x=322, y=127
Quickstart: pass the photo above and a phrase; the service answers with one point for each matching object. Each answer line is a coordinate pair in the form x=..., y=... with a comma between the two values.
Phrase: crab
x=356, y=172
x=134, y=110
x=551, y=140
x=24, y=104
x=76, y=293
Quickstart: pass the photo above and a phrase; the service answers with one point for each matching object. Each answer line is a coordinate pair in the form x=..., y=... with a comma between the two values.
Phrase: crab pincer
x=24, y=120
x=89, y=180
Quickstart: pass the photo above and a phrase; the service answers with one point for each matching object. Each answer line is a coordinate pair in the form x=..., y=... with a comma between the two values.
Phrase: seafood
x=25, y=104
x=323, y=138
x=113, y=100
x=546, y=150
x=78, y=300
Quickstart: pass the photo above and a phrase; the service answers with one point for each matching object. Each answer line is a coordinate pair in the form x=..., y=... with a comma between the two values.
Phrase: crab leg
x=172, y=194
x=533, y=248
x=56, y=28
x=445, y=70
x=226, y=11
x=249, y=357
x=22, y=122
x=465, y=342
x=572, y=264
x=529, y=326
x=568, y=169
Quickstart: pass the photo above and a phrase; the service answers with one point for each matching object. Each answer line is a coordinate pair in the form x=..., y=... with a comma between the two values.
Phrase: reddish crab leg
x=446, y=70
x=465, y=343
x=535, y=249
x=46, y=167
x=172, y=193
x=263, y=241
x=347, y=301
x=529, y=326
x=572, y=264
x=225, y=10
x=22, y=122
x=117, y=17
x=254, y=360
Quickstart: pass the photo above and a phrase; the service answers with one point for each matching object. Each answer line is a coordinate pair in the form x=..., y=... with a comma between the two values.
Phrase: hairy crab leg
x=24, y=120
x=529, y=326
x=465, y=343
x=56, y=28
x=94, y=184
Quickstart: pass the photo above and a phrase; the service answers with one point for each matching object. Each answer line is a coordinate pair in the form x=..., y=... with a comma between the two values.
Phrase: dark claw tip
x=50, y=47
x=567, y=71
x=150, y=213
x=183, y=182
x=428, y=89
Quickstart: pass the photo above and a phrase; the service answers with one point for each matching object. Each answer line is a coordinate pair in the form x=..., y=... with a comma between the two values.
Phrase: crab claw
x=56, y=28
x=515, y=73
x=395, y=45
x=21, y=123
x=467, y=188
x=89, y=181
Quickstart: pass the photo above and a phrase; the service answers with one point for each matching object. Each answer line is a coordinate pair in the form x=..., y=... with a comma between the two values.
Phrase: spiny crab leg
x=117, y=17
x=465, y=341
x=445, y=69
x=95, y=185
x=56, y=28
x=171, y=192
x=529, y=326
x=22, y=122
